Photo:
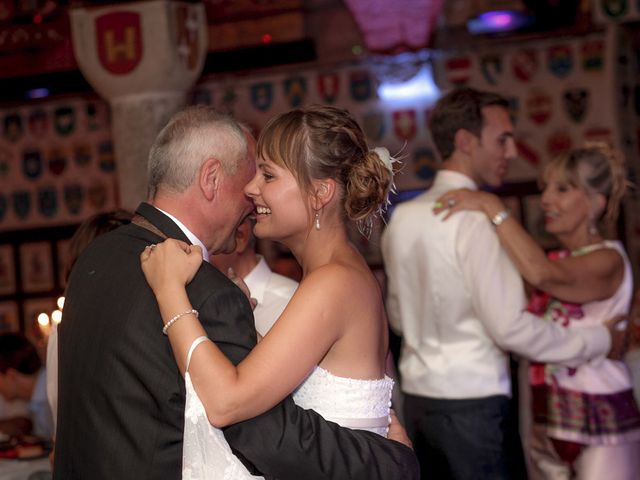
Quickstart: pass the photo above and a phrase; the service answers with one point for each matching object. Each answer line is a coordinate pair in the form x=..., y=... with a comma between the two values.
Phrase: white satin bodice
x=351, y=403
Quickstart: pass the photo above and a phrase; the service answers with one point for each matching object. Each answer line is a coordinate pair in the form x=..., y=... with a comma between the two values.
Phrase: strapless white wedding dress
x=359, y=404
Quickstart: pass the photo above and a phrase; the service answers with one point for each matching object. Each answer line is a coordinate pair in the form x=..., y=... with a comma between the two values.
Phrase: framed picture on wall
x=36, y=267
x=7, y=270
x=9, y=321
x=535, y=225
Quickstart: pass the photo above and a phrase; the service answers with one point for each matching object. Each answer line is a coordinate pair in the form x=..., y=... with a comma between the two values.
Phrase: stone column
x=142, y=57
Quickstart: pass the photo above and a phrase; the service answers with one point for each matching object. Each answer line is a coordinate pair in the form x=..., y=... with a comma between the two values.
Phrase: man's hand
x=231, y=274
x=634, y=321
x=619, y=333
x=397, y=431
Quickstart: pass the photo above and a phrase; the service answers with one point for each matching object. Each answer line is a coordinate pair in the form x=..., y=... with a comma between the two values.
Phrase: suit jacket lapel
x=161, y=222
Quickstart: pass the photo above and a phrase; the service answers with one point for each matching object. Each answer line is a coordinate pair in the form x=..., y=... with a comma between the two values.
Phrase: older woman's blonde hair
x=594, y=168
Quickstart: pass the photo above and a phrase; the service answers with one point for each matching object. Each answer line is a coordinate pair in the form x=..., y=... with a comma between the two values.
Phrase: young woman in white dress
x=315, y=173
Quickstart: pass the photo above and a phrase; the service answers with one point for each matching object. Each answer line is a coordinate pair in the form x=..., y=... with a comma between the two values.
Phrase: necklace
x=576, y=252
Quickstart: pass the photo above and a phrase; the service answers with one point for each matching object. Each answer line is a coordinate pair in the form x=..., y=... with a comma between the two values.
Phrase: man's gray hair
x=192, y=136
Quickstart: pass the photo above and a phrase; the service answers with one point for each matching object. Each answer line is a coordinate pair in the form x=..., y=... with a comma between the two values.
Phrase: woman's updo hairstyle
x=595, y=168
x=321, y=142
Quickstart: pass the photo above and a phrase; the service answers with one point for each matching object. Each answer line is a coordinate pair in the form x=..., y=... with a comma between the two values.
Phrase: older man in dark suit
x=121, y=401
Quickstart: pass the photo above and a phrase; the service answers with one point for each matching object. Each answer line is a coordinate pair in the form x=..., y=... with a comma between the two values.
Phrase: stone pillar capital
x=142, y=57
x=140, y=47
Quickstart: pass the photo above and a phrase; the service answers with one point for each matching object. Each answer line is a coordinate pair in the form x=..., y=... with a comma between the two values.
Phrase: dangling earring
x=317, y=221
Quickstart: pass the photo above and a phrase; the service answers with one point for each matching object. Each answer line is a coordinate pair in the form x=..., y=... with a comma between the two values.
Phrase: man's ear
x=463, y=140
x=209, y=177
x=324, y=191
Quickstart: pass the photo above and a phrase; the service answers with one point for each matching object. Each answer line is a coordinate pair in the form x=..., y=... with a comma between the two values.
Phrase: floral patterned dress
x=592, y=404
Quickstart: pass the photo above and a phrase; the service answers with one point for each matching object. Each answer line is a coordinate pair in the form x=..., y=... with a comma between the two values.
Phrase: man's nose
x=249, y=188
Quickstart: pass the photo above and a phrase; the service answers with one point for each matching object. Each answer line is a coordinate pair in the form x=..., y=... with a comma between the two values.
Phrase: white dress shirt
x=272, y=291
x=459, y=303
x=189, y=234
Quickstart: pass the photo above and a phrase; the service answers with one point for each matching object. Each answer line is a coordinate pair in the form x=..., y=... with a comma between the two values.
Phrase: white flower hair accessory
x=386, y=158
x=388, y=161
x=365, y=226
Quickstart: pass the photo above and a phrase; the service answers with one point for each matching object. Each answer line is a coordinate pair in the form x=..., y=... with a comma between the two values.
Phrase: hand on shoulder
x=464, y=199
x=170, y=265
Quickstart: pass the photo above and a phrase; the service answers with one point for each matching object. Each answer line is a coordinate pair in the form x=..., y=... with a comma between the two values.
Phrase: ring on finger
x=451, y=202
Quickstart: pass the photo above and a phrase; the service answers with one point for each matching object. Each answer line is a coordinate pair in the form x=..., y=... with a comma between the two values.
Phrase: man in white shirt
x=271, y=290
x=459, y=303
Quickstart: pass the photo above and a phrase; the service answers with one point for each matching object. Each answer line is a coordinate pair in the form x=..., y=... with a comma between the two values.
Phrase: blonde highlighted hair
x=594, y=168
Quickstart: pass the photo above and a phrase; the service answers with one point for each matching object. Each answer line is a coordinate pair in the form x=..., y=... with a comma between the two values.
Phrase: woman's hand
x=465, y=199
x=170, y=264
x=397, y=431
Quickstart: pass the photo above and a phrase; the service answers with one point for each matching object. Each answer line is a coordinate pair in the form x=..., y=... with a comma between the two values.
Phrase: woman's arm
x=280, y=362
x=590, y=277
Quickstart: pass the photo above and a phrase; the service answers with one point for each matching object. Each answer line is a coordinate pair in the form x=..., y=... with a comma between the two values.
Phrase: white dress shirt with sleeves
x=459, y=303
x=272, y=291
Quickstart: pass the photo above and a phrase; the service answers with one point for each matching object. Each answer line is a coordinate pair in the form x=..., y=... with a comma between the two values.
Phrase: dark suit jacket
x=121, y=398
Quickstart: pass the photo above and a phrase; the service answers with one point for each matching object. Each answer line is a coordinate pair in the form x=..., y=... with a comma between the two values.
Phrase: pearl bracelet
x=500, y=217
x=178, y=317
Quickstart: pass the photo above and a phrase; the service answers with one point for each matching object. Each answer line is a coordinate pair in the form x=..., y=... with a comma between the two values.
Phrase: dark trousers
x=459, y=439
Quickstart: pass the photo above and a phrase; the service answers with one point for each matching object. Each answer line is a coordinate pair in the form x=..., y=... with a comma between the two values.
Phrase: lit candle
x=56, y=317
x=45, y=324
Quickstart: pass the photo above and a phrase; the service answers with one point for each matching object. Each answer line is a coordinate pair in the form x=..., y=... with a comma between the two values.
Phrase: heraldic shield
x=576, y=103
x=140, y=47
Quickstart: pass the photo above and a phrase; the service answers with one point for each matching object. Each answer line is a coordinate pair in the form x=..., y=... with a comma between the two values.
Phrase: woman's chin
x=549, y=227
x=261, y=232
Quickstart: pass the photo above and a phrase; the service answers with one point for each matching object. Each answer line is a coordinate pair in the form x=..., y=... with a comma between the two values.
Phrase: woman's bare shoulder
x=603, y=261
x=338, y=279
